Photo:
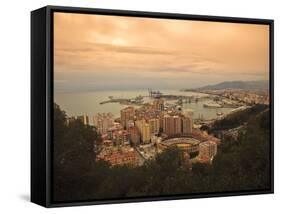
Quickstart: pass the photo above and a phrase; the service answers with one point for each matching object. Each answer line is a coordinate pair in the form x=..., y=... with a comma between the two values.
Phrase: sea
x=79, y=103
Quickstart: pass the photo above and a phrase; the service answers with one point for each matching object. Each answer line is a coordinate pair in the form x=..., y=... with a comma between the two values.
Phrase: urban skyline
x=168, y=106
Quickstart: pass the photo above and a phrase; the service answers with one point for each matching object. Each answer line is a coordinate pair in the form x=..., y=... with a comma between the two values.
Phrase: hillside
x=246, y=85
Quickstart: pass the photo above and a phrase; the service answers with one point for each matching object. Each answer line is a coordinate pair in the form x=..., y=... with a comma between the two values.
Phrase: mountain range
x=246, y=85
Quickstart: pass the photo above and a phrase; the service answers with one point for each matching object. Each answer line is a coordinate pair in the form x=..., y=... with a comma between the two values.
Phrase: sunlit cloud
x=99, y=51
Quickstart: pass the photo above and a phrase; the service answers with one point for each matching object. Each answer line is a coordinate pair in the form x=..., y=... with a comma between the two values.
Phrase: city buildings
x=103, y=122
x=134, y=135
x=158, y=104
x=176, y=125
x=168, y=125
x=154, y=125
x=250, y=97
x=207, y=151
x=146, y=135
x=187, y=125
x=204, y=136
x=141, y=133
x=127, y=114
x=144, y=130
x=120, y=137
x=119, y=156
x=84, y=119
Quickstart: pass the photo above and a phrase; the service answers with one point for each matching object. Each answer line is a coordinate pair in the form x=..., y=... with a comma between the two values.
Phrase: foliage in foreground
x=242, y=165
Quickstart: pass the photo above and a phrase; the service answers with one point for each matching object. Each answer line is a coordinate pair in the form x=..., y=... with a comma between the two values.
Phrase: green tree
x=74, y=152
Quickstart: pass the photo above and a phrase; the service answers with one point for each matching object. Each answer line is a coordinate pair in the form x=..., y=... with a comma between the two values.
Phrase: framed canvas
x=131, y=106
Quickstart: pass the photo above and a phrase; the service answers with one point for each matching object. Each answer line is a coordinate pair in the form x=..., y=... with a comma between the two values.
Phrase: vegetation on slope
x=238, y=166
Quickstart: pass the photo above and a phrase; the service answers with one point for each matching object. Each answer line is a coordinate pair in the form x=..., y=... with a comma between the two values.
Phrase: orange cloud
x=99, y=46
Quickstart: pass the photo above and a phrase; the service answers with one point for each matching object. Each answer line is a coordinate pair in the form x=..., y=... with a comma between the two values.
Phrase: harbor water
x=89, y=102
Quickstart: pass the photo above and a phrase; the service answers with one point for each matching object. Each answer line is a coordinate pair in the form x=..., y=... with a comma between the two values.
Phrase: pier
x=125, y=101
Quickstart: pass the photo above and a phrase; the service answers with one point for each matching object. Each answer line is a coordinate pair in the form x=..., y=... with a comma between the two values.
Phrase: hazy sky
x=96, y=52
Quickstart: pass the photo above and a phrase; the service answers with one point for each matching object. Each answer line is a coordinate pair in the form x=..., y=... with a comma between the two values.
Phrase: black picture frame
x=42, y=100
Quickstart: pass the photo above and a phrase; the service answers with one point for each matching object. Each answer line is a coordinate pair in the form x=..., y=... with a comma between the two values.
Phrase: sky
x=101, y=52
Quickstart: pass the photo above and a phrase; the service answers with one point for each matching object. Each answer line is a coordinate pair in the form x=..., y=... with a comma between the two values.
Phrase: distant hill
x=246, y=85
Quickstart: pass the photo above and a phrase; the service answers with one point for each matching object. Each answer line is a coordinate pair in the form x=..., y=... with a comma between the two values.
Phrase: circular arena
x=191, y=145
